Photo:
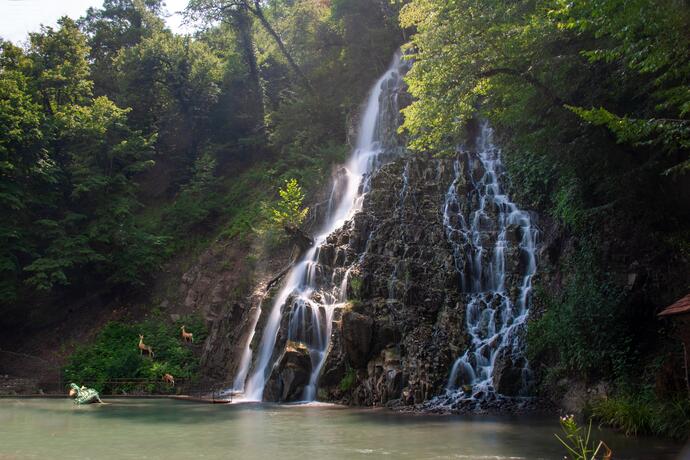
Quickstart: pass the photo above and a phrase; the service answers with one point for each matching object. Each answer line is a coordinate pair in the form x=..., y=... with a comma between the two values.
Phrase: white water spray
x=495, y=322
x=313, y=299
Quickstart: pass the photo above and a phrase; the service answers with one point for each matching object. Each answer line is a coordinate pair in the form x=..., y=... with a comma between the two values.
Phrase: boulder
x=507, y=374
x=290, y=375
x=357, y=332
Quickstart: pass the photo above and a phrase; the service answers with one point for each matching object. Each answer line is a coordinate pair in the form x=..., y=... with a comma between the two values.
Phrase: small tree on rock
x=288, y=212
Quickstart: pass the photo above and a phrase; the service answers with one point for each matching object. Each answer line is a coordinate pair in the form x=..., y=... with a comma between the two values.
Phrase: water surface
x=167, y=429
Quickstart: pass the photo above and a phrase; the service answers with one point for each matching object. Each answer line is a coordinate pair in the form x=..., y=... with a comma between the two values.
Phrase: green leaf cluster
x=289, y=210
x=642, y=413
x=348, y=381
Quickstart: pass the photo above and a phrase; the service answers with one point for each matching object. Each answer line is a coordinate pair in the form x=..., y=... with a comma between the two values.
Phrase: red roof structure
x=680, y=307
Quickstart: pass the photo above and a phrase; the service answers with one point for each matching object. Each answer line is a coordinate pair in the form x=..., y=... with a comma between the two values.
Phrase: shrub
x=585, y=329
x=356, y=287
x=289, y=210
x=114, y=355
x=642, y=413
x=348, y=380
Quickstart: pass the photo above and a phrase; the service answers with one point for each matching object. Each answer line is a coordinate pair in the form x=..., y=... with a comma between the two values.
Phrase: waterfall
x=482, y=239
x=312, y=290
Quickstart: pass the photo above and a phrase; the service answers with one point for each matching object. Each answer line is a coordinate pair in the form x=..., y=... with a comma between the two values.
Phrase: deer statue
x=168, y=378
x=187, y=336
x=144, y=348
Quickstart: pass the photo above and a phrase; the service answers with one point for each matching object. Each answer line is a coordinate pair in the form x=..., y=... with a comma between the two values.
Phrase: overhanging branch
x=545, y=90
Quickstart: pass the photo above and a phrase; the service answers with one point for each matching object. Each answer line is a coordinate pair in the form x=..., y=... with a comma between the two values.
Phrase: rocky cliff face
x=398, y=336
x=397, y=339
x=419, y=261
x=225, y=285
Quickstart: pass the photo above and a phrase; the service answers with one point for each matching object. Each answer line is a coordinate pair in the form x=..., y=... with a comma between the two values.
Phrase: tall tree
x=58, y=66
x=224, y=10
x=21, y=156
x=172, y=84
x=118, y=24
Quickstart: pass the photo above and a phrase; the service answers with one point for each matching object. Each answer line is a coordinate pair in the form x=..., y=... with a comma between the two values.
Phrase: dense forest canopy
x=124, y=145
x=117, y=133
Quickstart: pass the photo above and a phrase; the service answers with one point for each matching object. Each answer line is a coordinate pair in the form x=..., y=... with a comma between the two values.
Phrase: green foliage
x=586, y=328
x=165, y=76
x=348, y=380
x=114, y=355
x=210, y=206
x=532, y=178
x=117, y=25
x=568, y=206
x=642, y=413
x=462, y=52
x=543, y=55
x=57, y=65
x=198, y=200
x=671, y=136
x=341, y=47
x=356, y=287
x=578, y=444
x=288, y=210
x=67, y=172
x=646, y=38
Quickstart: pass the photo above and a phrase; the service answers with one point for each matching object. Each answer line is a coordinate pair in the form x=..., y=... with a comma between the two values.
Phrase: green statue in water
x=83, y=395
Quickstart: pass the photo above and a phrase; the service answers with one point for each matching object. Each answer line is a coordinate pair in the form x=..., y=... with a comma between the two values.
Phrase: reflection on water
x=152, y=429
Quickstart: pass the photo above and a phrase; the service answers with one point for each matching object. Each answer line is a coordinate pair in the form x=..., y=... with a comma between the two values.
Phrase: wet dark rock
x=290, y=375
x=386, y=335
x=299, y=237
x=408, y=327
x=508, y=374
x=357, y=332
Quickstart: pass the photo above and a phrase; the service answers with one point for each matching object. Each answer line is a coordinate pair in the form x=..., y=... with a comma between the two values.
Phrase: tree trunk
x=258, y=12
x=299, y=237
x=243, y=25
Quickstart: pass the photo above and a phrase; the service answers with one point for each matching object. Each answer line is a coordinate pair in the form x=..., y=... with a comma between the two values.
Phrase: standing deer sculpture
x=144, y=348
x=187, y=336
x=168, y=378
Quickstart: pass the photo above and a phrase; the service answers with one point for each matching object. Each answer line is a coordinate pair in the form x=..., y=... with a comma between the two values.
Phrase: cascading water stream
x=494, y=320
x=305, y=295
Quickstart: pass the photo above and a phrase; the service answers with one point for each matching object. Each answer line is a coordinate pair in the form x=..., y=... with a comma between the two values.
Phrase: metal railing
x=141, y=387
x=43, y=377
